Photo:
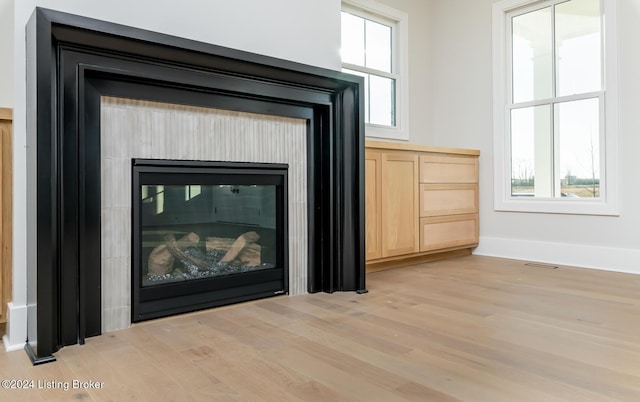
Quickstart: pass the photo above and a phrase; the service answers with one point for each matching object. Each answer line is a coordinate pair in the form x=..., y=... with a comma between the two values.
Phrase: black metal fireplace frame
x=72, y=61
x=179, y=297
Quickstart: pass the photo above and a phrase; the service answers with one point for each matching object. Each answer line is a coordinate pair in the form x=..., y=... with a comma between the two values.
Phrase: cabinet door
x=400, y=233
x=373, y=204
x=5, y=211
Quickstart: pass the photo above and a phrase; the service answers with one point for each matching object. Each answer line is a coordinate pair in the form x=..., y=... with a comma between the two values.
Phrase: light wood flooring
x=471, y=328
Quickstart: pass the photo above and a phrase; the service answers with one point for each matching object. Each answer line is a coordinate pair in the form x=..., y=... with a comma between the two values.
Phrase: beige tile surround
x=142, y=129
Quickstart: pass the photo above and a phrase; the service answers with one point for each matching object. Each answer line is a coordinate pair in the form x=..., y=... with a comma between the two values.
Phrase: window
x=374, y=47
x=555, y=106
x=191, y=191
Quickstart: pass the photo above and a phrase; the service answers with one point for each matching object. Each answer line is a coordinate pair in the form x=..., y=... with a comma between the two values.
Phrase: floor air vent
x=540, y=265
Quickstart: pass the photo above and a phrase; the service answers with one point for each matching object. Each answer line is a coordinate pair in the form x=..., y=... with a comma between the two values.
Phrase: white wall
x=462, y=108
x=303, y=31
x=6, y=52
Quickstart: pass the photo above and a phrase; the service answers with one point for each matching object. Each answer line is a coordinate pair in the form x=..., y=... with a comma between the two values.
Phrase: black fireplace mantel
x=72, y=61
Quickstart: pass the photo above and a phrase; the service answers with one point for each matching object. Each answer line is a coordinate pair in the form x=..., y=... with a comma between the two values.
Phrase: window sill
x=555, y=206
x=386, y=132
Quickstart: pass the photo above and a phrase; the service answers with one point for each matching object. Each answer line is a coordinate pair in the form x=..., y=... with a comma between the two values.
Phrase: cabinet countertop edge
x=6, y=114
x=419, y=148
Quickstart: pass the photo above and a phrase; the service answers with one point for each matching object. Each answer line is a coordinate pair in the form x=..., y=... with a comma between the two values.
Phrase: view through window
x=556, y=106
x=367, y=51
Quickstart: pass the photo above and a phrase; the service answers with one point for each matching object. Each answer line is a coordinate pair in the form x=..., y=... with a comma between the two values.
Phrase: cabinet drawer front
x=448, y=169
x=445, y=232
x=451, y=199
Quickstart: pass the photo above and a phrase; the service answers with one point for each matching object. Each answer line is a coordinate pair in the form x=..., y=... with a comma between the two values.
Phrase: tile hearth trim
x=152, y=130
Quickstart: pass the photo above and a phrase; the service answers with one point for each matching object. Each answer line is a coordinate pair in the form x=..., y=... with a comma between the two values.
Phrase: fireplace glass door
x=206, y=234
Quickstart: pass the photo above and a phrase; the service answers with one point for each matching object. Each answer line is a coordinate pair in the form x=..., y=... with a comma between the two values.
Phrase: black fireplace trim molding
x=72, y=61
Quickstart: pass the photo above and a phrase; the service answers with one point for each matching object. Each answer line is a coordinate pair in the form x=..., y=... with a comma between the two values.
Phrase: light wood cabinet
x=391, y=200
x=421, y=203
x=435, y=168
x=373, y=203
x=6, y=124
x=399, y=204
x=442, y=232
x=448, y=199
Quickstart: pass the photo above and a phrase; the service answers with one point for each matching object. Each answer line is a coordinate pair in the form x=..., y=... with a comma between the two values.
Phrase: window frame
x=399, y=21
x=608, y=202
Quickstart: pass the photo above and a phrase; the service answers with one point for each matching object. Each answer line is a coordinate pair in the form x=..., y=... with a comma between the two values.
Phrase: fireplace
x=73, y=64
x=206, y=234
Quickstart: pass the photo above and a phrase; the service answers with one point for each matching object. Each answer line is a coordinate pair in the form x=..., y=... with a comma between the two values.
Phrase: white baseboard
x=16, y=336
x=596, y=257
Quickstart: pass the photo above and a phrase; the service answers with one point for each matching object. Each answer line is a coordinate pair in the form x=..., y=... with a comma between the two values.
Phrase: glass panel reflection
x=531, y=147
x=578, y=132
x=378, y=46
x=353, y=41
x=199, y=231
x=532, y=54
x=578, y=47
x=382, y=94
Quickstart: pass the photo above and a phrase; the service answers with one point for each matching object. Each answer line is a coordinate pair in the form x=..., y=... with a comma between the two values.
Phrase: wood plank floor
x=471, y=329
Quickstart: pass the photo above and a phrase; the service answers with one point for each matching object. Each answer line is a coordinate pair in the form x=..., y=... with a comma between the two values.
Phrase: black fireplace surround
x=72, y=61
